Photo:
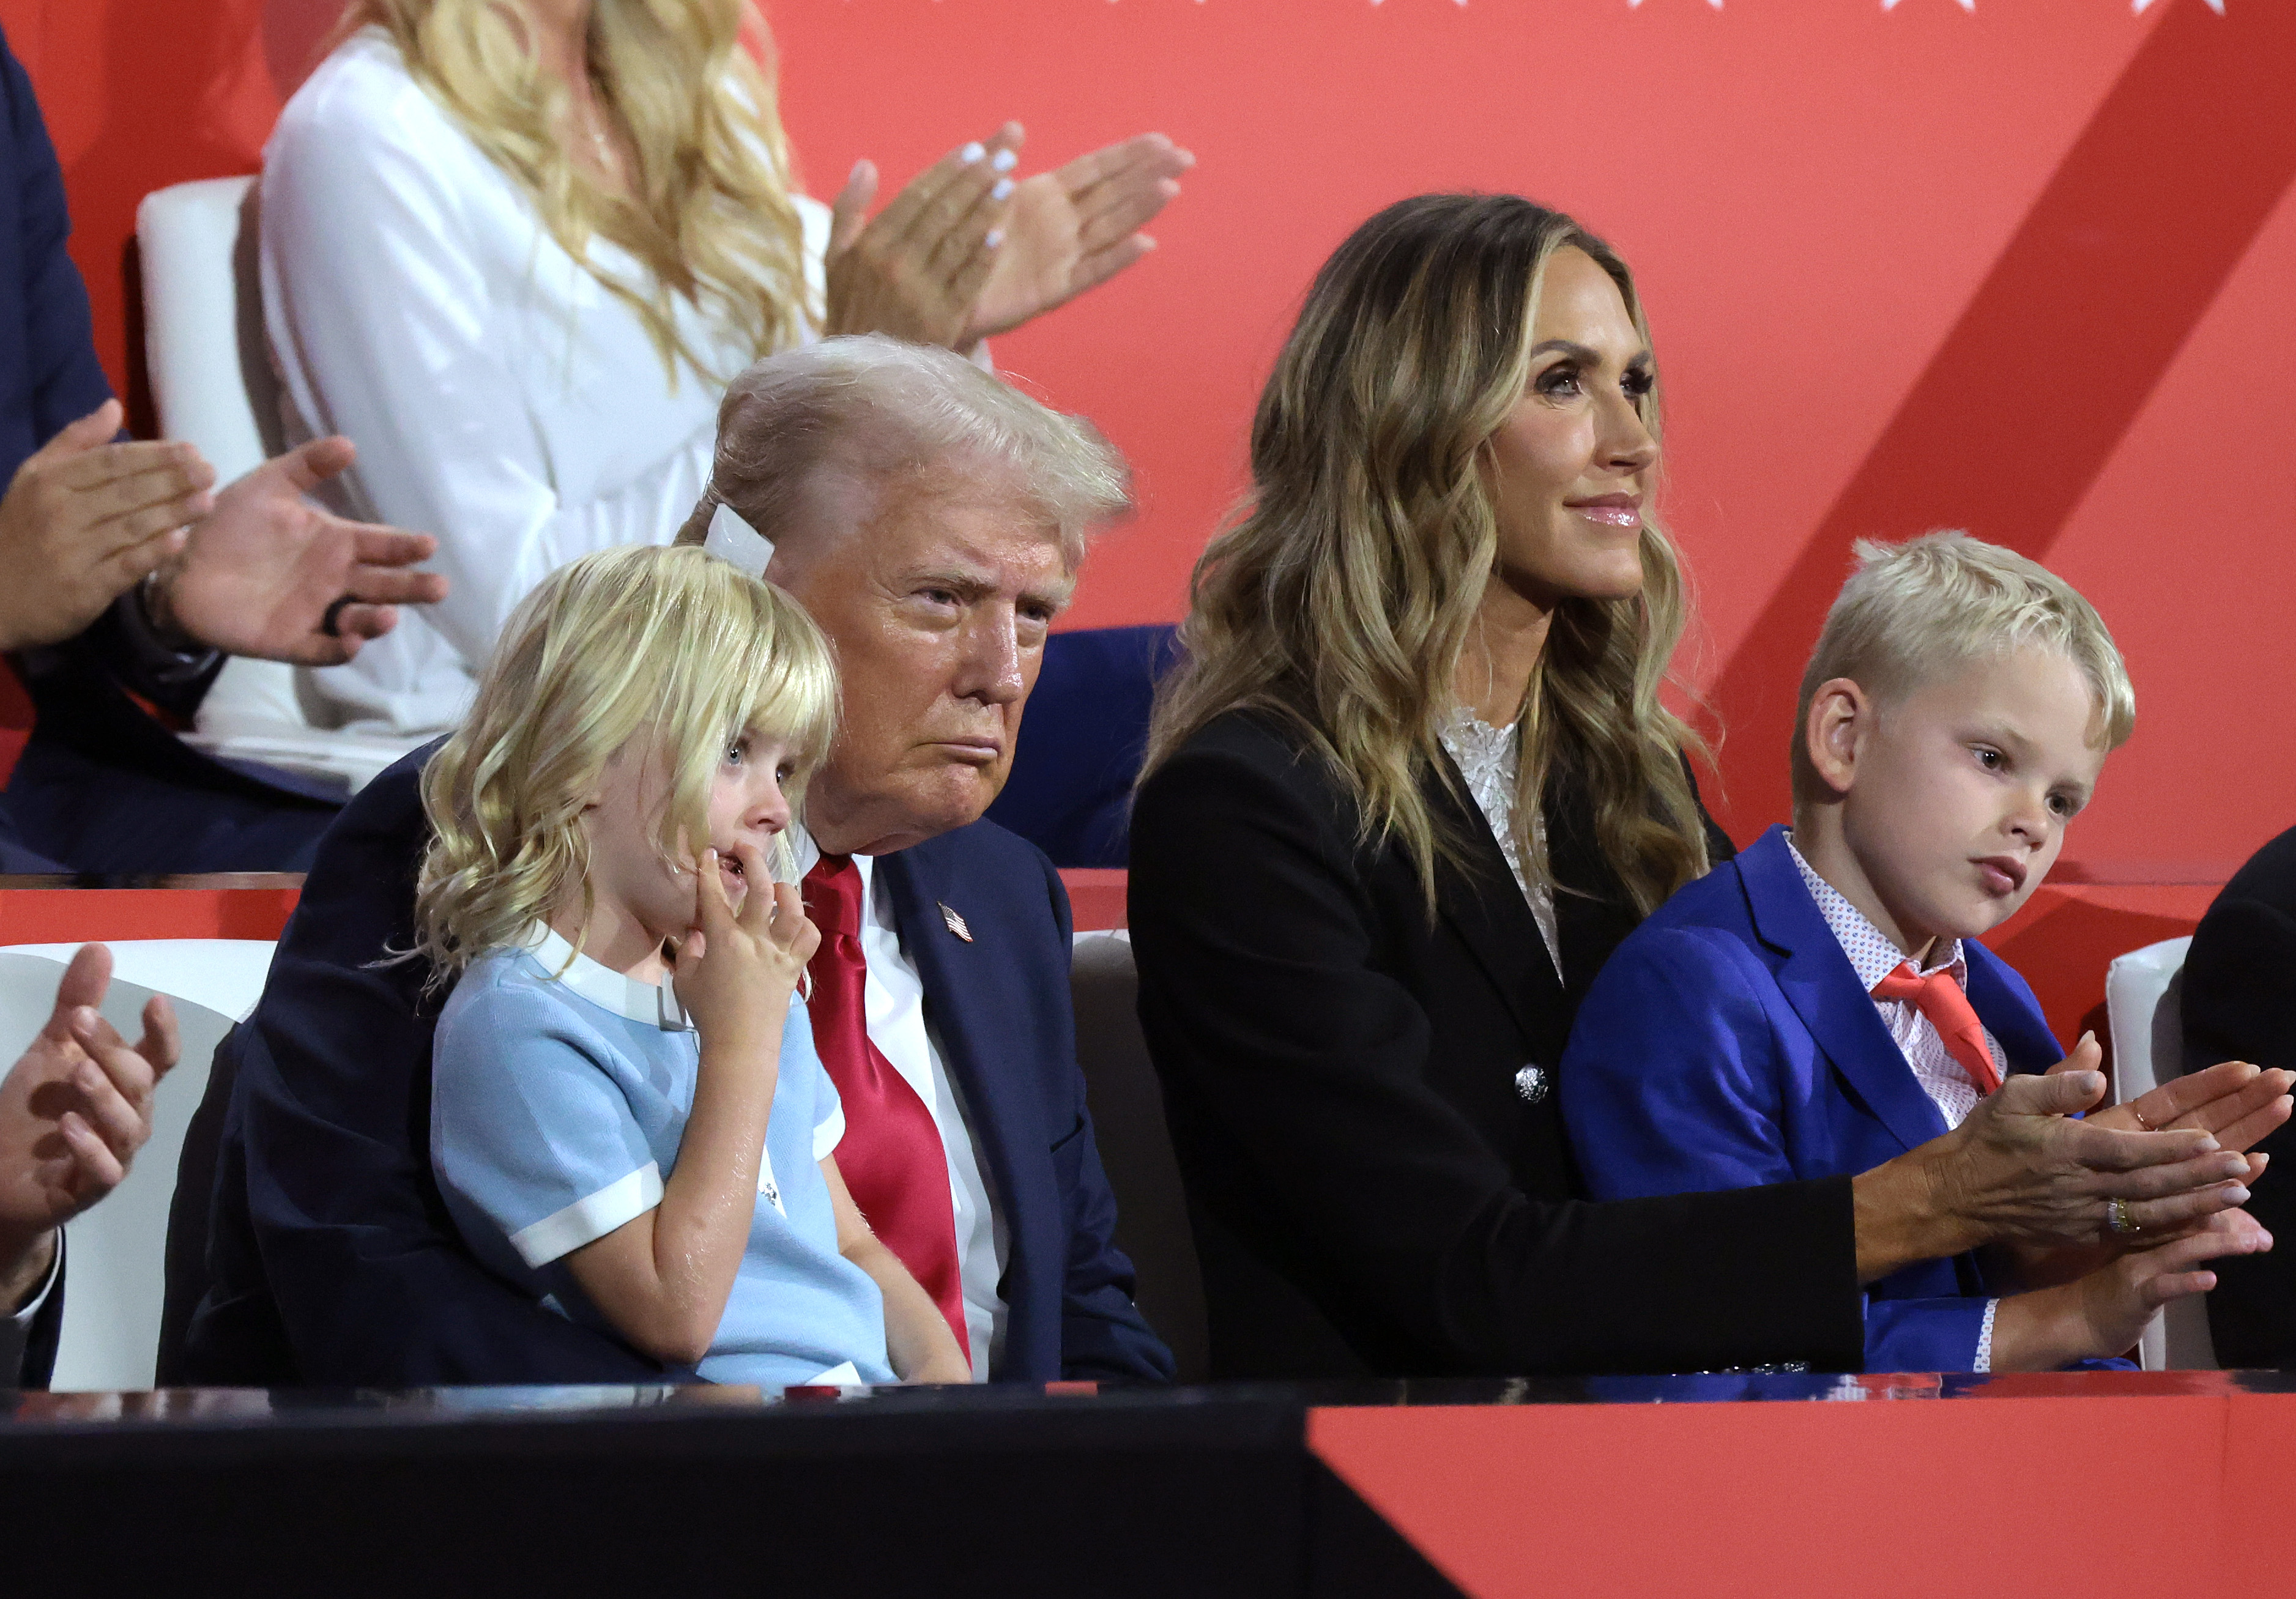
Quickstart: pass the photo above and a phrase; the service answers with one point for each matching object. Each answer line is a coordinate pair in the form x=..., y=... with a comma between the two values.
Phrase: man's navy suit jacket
x=49, y=375
x=331, y=1259
x=1728, y=1044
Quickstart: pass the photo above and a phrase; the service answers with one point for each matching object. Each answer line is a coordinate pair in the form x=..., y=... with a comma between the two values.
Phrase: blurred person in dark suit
x=2240, y=1003
x=130, y=578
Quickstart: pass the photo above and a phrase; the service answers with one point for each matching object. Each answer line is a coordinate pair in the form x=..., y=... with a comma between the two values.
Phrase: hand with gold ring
x=2232, y=1100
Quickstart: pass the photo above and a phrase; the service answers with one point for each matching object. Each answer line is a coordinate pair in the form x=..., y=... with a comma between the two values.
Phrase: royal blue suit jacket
x=331, y=1259
x=1728, y=1042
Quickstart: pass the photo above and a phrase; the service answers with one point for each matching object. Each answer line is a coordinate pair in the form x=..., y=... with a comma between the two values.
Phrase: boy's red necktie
x=1939, y=999
x=892, y=1157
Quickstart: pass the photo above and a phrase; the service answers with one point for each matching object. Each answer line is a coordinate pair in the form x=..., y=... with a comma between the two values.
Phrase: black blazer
x=1371, y=1191
x=2240, y=1004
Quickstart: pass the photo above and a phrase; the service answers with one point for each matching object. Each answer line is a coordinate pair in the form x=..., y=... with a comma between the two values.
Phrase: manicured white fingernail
x=973, y=153
x=1006, y=160
x=996, y=237
x=1004, y=187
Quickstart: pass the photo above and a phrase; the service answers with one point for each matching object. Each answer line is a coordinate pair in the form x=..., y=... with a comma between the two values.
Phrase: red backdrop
x=2024, y=268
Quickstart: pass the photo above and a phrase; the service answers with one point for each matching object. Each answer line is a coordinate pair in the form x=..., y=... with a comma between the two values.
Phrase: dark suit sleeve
x=1296, y=1063
x=31, y=1343
x=329, y=1226
x=60, y=381
x=1104, y=1337
x=2240, y=1004
x=65, y=380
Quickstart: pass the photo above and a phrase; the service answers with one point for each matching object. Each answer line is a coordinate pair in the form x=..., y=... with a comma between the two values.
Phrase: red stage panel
x=249, y=906
x=1095, y=896
x=2100, y=1497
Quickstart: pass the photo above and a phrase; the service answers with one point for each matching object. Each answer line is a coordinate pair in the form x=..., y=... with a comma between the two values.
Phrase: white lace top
x=1490, y=759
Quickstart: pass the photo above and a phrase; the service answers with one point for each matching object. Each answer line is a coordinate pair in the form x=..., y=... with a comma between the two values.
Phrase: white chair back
x=214, y=385
x=115, y=1253
x=211, y=376
x=2142, y=1001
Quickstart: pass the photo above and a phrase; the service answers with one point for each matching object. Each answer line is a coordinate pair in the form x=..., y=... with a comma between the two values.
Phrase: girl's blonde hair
x=1917, y=612
x=1343, y=595
x=669, y=653
x=708, y=217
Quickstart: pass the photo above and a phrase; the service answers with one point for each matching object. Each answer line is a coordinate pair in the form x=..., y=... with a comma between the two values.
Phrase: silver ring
x=2116, y=1219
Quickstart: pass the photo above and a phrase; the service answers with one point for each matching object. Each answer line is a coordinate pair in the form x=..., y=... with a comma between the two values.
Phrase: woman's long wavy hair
x=709, y=219
x=1345, y=592
x=669, y=653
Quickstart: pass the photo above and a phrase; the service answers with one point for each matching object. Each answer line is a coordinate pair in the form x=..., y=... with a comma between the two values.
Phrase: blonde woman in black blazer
x=1410, y=788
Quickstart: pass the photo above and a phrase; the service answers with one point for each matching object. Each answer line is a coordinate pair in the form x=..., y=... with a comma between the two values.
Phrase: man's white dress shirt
x=1874, y=955
x=893, y=1000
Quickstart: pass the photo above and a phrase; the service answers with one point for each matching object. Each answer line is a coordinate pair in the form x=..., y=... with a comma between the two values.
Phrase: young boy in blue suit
x=1820, y=1005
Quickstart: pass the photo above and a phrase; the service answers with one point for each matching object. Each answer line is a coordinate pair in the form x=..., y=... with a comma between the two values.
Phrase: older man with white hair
x=932, y=518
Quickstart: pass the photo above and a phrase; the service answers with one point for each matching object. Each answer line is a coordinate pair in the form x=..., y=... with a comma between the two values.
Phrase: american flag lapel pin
x=955, y=923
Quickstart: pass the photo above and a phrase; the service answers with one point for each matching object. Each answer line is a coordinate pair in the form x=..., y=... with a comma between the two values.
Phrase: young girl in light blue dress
x=628, y=1119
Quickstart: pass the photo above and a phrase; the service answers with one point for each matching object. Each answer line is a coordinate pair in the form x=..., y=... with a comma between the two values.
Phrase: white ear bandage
x=733, y=541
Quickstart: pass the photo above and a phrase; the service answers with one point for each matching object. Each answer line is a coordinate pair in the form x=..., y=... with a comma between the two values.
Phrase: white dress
x=500, y=397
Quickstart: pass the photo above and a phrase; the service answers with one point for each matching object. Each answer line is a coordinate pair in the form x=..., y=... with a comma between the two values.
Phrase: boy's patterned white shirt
x=1872, y=956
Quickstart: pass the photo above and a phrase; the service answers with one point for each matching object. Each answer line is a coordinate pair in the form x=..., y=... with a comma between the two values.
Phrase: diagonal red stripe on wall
x=2069, y=334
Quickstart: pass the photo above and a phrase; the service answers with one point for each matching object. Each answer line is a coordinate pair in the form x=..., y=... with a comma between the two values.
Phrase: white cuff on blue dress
x=589, y=1218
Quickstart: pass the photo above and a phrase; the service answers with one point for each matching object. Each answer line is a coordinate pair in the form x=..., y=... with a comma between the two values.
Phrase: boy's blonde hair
x=670, y=648
x=1915, y=612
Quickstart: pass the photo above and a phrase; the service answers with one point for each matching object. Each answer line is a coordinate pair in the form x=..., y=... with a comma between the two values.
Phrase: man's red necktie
x=1939, y=999
x=892, y=1157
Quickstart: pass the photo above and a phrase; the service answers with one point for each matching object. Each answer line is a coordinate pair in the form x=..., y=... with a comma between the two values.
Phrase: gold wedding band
x=2116, y=1219
x=2147, y=1126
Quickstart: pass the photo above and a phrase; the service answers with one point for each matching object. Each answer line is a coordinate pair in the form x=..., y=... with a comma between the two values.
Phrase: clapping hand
x=2105, y=1310
x=1074, y=228
x=73, y=1111
x=915, y=269
x=965, y=251
x=2233, y=1102
x=2237, y=1102
x=84, y=519
x=2021, y=1170
x=267, y=573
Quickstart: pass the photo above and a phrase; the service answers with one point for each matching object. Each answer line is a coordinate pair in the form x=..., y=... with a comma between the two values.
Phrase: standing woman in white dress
x=516, y=249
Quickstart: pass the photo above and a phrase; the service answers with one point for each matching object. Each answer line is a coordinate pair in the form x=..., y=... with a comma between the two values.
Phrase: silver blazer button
x=1531, y=1083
